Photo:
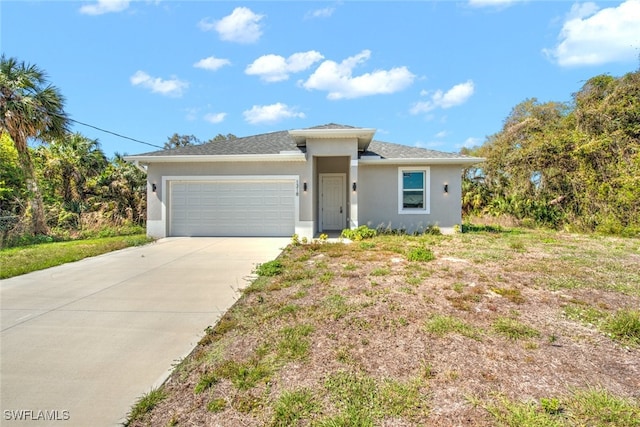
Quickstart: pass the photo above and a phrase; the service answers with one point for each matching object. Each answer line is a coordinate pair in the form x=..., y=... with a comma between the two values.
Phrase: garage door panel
x=232, y=208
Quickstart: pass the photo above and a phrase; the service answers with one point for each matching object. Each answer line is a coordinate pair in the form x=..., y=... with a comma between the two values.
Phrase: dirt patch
x=502, y=301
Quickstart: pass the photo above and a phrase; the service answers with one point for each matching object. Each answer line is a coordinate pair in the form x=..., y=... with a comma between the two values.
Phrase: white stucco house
x=302, y=181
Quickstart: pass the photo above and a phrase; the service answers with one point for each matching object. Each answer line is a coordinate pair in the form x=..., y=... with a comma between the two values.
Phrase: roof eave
x=423, y=161
x=195, y=158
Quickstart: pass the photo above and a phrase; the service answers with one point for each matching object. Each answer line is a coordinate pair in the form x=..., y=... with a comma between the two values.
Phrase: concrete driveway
x=82, y=341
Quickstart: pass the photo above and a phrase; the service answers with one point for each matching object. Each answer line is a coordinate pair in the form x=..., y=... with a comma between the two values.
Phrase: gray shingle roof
x=388, y=150
x=266, y=143
x=276, y=142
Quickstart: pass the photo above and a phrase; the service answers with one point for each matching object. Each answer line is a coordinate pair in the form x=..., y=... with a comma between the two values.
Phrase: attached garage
x=232, y=207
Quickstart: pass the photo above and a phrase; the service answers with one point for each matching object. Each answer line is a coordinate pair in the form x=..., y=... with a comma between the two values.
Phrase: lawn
x=25, y=259
x=513, y=328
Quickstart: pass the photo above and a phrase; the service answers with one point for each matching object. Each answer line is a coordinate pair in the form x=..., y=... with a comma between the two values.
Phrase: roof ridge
x=333, y=125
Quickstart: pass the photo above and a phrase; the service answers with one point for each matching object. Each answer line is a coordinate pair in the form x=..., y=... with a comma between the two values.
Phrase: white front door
x=333, y=209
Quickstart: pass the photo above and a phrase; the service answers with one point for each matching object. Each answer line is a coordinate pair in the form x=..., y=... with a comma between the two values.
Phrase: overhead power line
x=113, y=133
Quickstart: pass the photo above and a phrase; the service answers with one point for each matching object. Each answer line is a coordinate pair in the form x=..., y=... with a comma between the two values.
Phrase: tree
x=221, y=137
x=68, y=162
x=177, y=141
x=121, y=193
x=64, y=167
x=30, y=108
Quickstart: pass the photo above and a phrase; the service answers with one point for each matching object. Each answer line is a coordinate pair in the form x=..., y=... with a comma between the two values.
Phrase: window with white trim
x=413, y=194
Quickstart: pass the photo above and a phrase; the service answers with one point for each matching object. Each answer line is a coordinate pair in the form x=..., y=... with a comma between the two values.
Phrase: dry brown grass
x=363, y=311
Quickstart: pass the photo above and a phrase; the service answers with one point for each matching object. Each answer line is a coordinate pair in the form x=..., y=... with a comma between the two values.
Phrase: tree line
x=565, y=165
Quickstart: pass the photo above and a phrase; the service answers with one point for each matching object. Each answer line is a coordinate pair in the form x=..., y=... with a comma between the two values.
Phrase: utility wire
x=113, y=133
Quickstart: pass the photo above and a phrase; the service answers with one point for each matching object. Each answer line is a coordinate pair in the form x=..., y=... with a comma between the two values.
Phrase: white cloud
x=430, y=144
x=171, y=87
x=104, y=6
x=320, y=13
x=592, y=36
x=242, y=26
x=457, y=95
x=470, y=142
x=215, y=117
x=441, y=134
x=270, y=113
x=212, y=63
x=337, y=79
x=275, y=68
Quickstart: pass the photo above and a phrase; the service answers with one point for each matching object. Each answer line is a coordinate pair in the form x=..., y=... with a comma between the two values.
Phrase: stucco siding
x=378, y=198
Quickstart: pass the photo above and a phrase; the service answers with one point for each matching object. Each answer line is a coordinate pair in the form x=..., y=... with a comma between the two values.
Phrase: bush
x=270, y=268
x=420, y=254
x=360, y=233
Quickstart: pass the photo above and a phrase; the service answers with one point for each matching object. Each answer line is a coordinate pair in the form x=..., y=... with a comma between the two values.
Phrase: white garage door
x=232, y=208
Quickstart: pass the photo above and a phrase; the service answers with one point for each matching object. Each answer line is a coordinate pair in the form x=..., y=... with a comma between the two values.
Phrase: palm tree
x=69, y=161
x=30, y=108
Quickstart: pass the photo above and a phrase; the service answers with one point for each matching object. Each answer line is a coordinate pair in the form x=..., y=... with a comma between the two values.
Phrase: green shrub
x=270, y=268
x=360, y=233
x=420, y=254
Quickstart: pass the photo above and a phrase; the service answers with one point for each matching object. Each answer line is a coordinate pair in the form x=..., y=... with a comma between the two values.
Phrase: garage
x=232, y=207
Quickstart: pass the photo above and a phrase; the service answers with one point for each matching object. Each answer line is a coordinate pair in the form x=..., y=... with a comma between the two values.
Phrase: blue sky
x=433, y=74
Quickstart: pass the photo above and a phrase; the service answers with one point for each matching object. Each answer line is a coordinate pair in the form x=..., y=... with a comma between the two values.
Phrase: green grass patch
x=294, y=406
x=514, y=329
x=380, y=271
x=591, y=407
x=294, y=343
x=512, y=294
x=623, y=326
x=217, y=405
x=244, y=375
x=207, y=381
x=145, y=404
x=442, y=325
x=598, y=407
x=584, y=313
x=361, y=400
x=22, y=260
x=337, y=306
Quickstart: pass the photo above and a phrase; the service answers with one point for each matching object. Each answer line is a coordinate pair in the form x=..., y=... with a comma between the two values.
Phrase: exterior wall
x=378, y=195
x=157, y=220
x=373, y=203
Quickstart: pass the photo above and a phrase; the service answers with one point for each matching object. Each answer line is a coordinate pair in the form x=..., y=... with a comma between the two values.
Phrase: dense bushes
x=565, y=165
x=84, y=194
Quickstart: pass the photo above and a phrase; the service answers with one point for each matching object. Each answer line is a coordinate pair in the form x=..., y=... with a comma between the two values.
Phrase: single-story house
x=302, y=181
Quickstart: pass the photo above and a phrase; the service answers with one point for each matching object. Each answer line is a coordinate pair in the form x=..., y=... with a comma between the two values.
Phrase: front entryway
x=333, y=203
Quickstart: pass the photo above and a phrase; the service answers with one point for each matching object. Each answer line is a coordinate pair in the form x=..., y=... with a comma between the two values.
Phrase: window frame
x=426, y=193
